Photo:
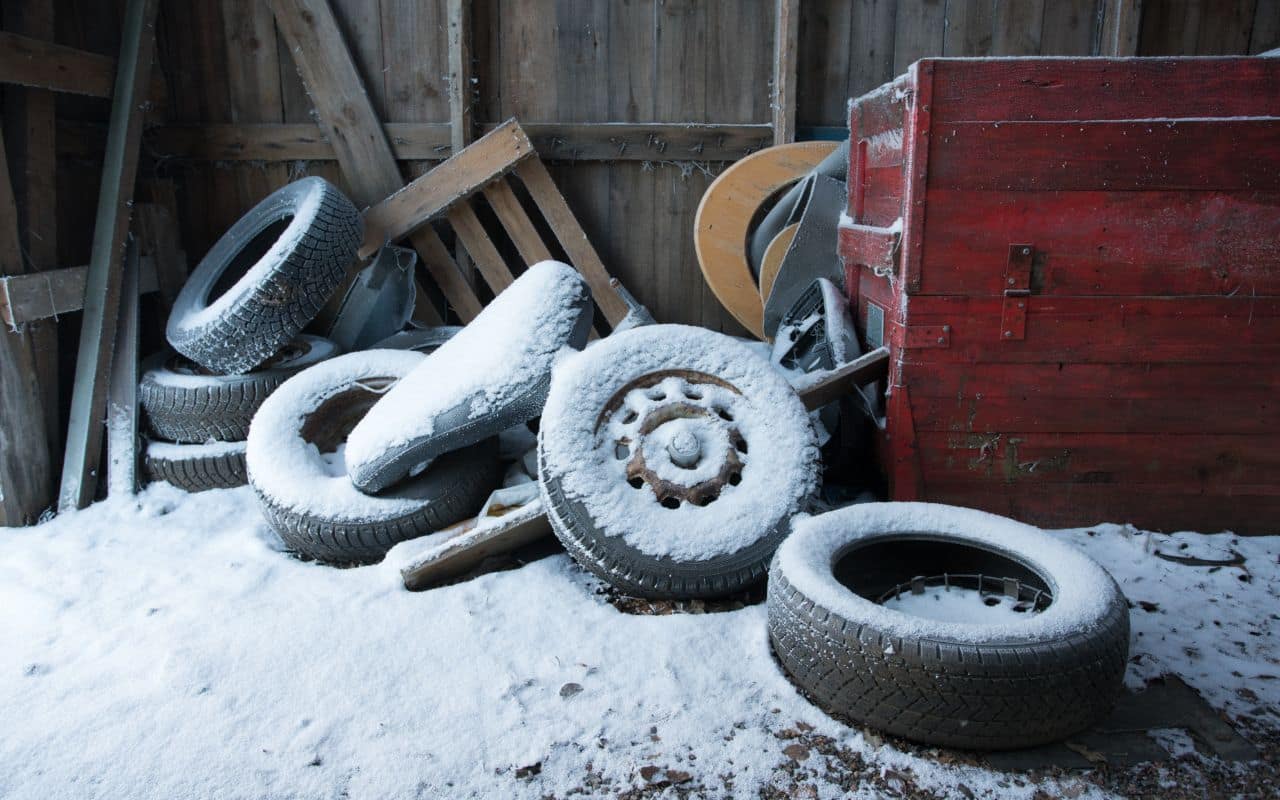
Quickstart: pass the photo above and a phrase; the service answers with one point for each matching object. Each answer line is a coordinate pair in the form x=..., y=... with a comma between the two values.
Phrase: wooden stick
x=44, y=295
x=466, y=226
x=122, y=388
x=785, y=44
x=468, y=544
x=819, y=388
x=102, y=286
x=516, y=221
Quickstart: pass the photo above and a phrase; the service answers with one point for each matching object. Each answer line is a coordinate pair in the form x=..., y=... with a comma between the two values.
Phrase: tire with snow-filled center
x=966, y=685
x=185, y=403
x=313, y=505
x=294, y=249
x=671, y=460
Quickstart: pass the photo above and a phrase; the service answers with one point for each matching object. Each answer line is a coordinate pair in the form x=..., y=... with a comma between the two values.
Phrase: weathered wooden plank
x=1224, y=28
x=466, y=226
x=819, y=388
x=1017, y=26
x=467, y=544
x=572, y=238
x=516, y=222
x=599, y=141
x=1240, y=329
x=102, y=285
x=1104, y=243
x=1121, y=23
x=1243, y=510
x=122, y=386
x=1103, y=89
x=1068, y=29
x=41, y=63
x=1236, y=154
x=46, y=295
x=918, y=32
x=785, y=43
x=461, y=120
x=25, y=469
x=439, y=264
x=969, y=28
x=253, y=78
x=490, y=157
x=1265, y=33
x=30, y=117
x=1197, y=462
x=344, y=110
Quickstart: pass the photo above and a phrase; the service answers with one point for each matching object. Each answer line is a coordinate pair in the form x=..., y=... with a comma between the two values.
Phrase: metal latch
x=1017, y=290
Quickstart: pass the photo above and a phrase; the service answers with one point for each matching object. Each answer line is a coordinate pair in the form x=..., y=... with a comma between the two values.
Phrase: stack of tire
x=236, y=327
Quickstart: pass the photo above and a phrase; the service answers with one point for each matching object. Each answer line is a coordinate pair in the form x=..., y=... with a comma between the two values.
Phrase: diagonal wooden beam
x=103, y=284
x=354, y=131
x=495, y=154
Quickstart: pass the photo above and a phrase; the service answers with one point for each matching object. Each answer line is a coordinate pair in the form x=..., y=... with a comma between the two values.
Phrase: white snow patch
x=959, y=604
x=164, y=647
x=779, y=470
x=168, y=451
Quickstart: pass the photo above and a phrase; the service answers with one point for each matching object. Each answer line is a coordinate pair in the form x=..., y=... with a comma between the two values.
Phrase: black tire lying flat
x=969, y=685
x=647, y=525
x=185, y=403
x=311, y=502
x=196, y=467
x=286, y=257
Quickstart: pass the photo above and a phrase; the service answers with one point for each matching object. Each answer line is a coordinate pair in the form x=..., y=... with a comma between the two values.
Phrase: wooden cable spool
x=725, y=215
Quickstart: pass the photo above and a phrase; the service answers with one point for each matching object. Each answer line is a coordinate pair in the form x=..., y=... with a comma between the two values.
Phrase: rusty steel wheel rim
x=678, y=432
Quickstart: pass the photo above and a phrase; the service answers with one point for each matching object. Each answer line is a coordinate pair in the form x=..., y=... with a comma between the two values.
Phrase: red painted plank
x=1110, y=243
x=1210, y=410
x=1161, y=381
x=1104, y=89
x=1235, y=154
x=1069, y=505
x=1126, y=330
x=1198, y=463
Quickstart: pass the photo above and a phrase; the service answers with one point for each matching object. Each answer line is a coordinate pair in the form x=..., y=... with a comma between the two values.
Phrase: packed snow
x=164, y=646
x=779, y=470
x=1082, y=591
x=960, y=604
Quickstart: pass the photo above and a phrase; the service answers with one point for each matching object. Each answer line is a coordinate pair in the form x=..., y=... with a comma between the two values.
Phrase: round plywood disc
x=773, y=259
x=724, y=216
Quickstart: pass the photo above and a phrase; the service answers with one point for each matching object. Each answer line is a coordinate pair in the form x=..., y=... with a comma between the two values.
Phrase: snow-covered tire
x=286, y=257
x=969, y=685
x=620, y=504
x=185, y=403
x=492, y=375
x=313, y=505
x=196, y=467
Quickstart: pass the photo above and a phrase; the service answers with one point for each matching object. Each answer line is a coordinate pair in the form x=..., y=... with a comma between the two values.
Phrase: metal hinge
x=1017, y=290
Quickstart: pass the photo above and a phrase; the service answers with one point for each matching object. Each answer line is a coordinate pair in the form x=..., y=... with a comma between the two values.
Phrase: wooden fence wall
x=579, y=63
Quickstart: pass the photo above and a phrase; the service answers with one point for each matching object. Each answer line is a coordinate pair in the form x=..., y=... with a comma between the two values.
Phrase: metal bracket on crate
x=1017, y=290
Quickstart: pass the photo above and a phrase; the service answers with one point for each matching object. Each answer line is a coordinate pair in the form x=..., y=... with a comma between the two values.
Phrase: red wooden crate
x=1074, y=264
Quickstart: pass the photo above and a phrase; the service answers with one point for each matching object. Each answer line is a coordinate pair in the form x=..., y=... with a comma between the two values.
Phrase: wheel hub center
x=685, y=449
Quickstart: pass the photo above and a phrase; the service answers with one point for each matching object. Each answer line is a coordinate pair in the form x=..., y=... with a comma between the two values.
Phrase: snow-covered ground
x=167, y=648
